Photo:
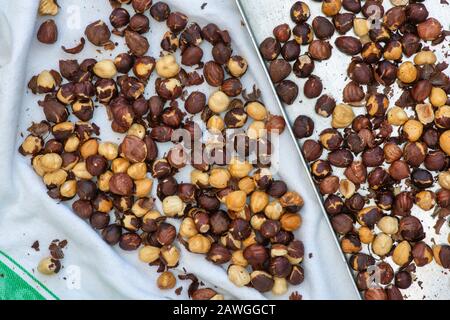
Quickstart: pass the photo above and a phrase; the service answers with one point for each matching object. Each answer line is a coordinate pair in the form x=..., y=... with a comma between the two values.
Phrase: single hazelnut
x=382, y=244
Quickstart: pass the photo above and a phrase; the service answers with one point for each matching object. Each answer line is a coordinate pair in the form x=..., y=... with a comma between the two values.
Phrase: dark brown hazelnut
x=435, y=160
x=211, y=33
x=355, y=203
x=280, y=267
x=277, y=189
x=403, y=280
x=195, y=103
x=141, y=6
x=356, y=172
x=373, y=157
x=261, y=281
x=394, y=18
x=360, y=72
x=350, y=243
x=130, y=241
x=96, y=165
x=290, y=50
x=161, y=169
x=240, y=229
x=98, y=33
x=296, y=276
x=282, y=32
x=375, y=294
x=422, y=254
x=416, y=12
x=353, y=94
x=421, y=90
x=329, y=185
x=348, y=45
x=414, y=153
x=410, y=44
x=167, y=187
x=221, y=53
x=99, y=220
x=340, y=158
x=312, y=150
x=392, y=152
x=208, y=202
x=320, y=50
x=121, y=184
x=191, y=36
x=232, y=87
x=393, y=293
x=218, y=254
x=361, y=261
x=275, y=124
x=443, y=198
x=331, y=139
x=321, y=169
x=176, y=21
x=172, y=117
x=270, y=48
x=385, y=273
x=333, y=205
x=403, y=204
x=313, y=87
x=124, y=62
x=442, y=255
x=352, y=5
x=377, y=104
x=192, y=56
x=83, y=208
x=300, y=12
x=399, y=170
x=385, y=73
x=303, y=127
x=213, y=73
x=429, y=30
x=235, y=118
x=160, y=11
x=111, y=234
x=133, y=148
x=139, y=23
x=384, y=200
x=422, y=178
x=119, y=18
x=371, y=52
x=369, y=216
x=303, y=66
x=219, y=222
x=165, y=234
x=303, y=33
x=380, y=34
x=137, y=43
x=342, y=223
x=86, y=190
x=287, y=90
x=48, y=32
x=411, y=229
x=323, y=28
x=54, y=111
x=355, y=143
x=256, y=255
x=343, y=22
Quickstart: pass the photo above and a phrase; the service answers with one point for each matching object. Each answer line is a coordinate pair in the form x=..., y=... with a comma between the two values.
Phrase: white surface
x=28, y=214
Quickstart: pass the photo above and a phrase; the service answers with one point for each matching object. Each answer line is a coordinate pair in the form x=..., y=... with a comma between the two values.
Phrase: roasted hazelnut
x=361, y=261
x=331, y=7
x=348, y=45
x=256, y=255
x=422, y=254
x=371, y=52
x=442, y=117
x=425, y=57
x=441, y=255
x=321, y=169
x=422, y=178
x=435, y=160
x=262, y=281
x=98, y=33
x=329, y=185
x=342, y=223
x=303, y=127
x=331, y=139
x=414, y=153
x=282, y=32
x=238, y=275
x=375, y=294
x=312, y=150
x=319, y=50
x=323, y=28
x=373, y=157
x=410, y=228
x=270, y=48
x=403, y=280
x=312, y=87
x=385, y=73
x=333, y=204
x=438, y=97
x=48, y=32
x=111, y=234
x=410, y=44
x=49, y=266
x=369, y=216
x=340, y=158
x=119, y=18
x=169, y=89
x=343, y=22
x=166, y=280
x=429, y=30
x=416, y=12
x=350, y=243
x=303, y=34
x=393, y=50
x=287, y=90
x=382, y=244
x=342, y=116
x=290, y=50
x=139, y=23
x=121, y=184
x=407, y=72
x=303, y=66
x=160, y=11
x=237, y=66
x=130, y=241
x=360, y=72
x=176, y=21
x=421, y=90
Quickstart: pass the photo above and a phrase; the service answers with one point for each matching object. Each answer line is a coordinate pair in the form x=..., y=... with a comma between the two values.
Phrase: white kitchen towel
x=92, y=269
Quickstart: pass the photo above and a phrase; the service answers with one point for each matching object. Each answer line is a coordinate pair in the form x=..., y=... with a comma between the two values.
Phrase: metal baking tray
x=260, y=17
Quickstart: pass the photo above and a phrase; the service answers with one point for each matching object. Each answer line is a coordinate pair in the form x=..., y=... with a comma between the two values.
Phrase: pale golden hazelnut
x=342, y=116
x=137, y=130
x=361, y=26
x=45, y=81
x=103, y=181
x=48, y=8
x=81, y=172
x=120, y=165
x=151, y=215
x=166, y=280
x=397, y=116
x=50, y=162
x=237, y=258
x=36, y=163
x=425, y=57
x=347, y=188
x=291, y=221
x=407, y=72
x=256, y=110
x=247, y=185
x=279, y=286
x=49, y=266
x=215, y=124
x=444, y=142
x=137, y=171
x=72, y=143
x=199, y=178
x=257, y=220
x=237, y=66
x=441, y=115
x=382, y=244
x=239, y=169
x=256, y=130
x=399, y=3
x=171, y=255
x=199, y=244
x=167, y=66
x=149, y=254
x=388, y=225
x=68, y=189
x=142, y=206
x=31, y=145
x=365, y=235
x=394, y=53
x=105, y=69
x=66, y=127
x=89, y=148
x=413, y=130
x=444, y=180
x=425, y=113
x=173, y=206
x=219, y=178
x=218, y=297
x=438, y=97
x=258, y=201
x=274, y=210
x=236, y=200
x=109, y=150
x=425, y=200
x=238, y=275
x=402, y=253
x=55, y=178
x=143, y=187
x=365, y=39
x=188, y=228
x=218, y=102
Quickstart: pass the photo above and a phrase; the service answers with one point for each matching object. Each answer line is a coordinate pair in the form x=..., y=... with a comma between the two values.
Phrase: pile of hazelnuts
x=234, y=212
x=408, y=142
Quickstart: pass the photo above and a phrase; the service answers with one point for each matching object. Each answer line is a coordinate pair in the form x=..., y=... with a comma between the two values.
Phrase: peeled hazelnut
x=438, y=97
x=219, y=178
x=382, y=244
x=166, y=280
x=238, y=275
x=170, y=255
x=199, y=244
x=173, y=206
x=237, y=66
x=218, y=102
x=444, y=180
x=342, y=116
x=167, y=66
x=444, y=142
x=407, y=72
x=331, y=7
x=425, y=57
x=256, y=111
